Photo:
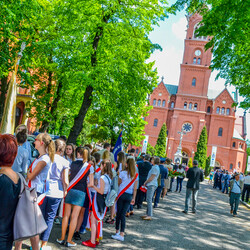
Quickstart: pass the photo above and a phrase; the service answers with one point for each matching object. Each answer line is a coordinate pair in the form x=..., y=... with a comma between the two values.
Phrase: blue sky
x=170, y=36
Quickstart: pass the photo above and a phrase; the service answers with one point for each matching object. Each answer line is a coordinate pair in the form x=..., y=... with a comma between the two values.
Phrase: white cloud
x=179, y=28
x=167, y=63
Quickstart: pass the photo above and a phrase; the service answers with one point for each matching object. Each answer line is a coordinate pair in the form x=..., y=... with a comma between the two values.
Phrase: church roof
x=237, y=135
x=172, y=89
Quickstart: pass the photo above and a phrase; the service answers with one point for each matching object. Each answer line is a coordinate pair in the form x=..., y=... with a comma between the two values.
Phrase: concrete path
x=212, y=227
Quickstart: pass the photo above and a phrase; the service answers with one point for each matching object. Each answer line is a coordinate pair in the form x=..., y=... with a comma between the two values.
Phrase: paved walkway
x=212, y=227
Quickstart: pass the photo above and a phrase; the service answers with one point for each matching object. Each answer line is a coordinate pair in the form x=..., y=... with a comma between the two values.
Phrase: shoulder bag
x=28, y=219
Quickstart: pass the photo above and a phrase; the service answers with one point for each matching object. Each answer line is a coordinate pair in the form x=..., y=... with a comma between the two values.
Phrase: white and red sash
x=126, y=187
x=30, y=170
x=81, y=173
x=99, y=217
x=98, y=170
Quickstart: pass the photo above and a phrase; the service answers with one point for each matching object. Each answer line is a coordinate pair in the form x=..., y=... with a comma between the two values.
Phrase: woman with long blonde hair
x=128, y=179
x=98, y=204
x=80, y=170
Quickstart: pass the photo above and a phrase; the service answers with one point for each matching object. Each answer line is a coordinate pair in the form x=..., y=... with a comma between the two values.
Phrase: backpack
x=28, y=219
x=111, y=196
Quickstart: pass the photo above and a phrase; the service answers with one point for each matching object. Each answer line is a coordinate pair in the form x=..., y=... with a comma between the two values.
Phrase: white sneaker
x=115, y=234
x=118, y=237
x=46, y=248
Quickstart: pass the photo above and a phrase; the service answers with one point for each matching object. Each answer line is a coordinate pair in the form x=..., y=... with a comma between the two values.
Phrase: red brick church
x=191, y=106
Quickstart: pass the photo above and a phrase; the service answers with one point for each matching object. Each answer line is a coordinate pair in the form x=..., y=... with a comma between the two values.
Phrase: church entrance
x=184, y=158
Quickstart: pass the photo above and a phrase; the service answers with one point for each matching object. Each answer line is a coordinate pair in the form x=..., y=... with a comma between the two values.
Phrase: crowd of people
x=235, y=184
x=82, y=185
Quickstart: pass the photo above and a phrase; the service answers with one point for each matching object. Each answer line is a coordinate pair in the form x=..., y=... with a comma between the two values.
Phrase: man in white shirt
x=246, y=188
x=236, y=186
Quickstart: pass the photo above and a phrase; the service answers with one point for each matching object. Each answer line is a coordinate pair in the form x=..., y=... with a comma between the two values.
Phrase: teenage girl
x=99, y=206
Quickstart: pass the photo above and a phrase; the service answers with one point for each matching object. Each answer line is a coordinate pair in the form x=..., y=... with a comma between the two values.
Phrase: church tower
x=192, y=95
x=195, y=72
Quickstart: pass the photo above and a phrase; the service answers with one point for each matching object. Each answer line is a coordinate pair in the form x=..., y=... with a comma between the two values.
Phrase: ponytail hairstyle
x=107, y=168
x=73, y=155
x=121, y=159
x=86, y=154
x=131, y=167
x=48, y=143
x=60, y=146
x=106, y=155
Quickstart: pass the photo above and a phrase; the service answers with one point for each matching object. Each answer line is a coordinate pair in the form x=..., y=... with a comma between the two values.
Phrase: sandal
x=110, y=221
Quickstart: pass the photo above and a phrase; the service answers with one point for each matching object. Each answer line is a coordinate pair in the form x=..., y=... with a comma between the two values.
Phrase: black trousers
x=122, y=207
x=246, y=189
x=140, y=197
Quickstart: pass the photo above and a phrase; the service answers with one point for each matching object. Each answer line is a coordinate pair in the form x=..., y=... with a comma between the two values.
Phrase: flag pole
x=9, y=113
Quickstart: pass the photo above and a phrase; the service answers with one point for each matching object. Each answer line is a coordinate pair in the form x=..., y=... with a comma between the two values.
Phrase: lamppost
x=178, y=154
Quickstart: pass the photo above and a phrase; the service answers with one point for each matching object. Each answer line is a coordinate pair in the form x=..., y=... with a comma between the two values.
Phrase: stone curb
x=245, y=204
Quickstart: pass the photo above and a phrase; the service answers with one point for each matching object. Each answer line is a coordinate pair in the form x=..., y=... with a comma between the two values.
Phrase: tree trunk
x=87, y=100
x=3, y=92
x=78, y=121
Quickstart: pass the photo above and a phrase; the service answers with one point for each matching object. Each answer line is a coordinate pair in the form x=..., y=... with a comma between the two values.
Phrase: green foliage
x=228, y=23
x=80, y=45
x=160, y=147
x=208, y=168
x=150, y=150
x=201, y=153
x=18, y=24
x=190, y=162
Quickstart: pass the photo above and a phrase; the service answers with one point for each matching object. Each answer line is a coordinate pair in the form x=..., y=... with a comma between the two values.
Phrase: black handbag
x=100, y=200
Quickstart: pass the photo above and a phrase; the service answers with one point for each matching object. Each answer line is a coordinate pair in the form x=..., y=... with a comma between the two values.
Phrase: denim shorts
x=75, y=197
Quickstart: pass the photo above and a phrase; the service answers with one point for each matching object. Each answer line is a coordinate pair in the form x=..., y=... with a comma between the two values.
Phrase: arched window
x=208, y=109
x=234, y=144
x=194, y=82
x=228, y=111
x=163, y=103
x=195, y=106
x=185, y=105
x=199, y=61
x=239, y=164
x=217, y=110
x=240, y=145
x=190, y=105
x=231, y=166
x=155, y=122
x=194, y=60
x=159, y=103
x=220, y=131
x=154, y=102
x=223, y=111
x=172, y=105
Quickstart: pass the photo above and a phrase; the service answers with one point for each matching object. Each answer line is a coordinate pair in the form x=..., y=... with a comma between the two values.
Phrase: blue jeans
x=179, y=183
x=150, y=194
x=225, y=187
x=171, y=183
x=157, y=195
x=234, y=202
x=49, y=209
x=194, y=193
